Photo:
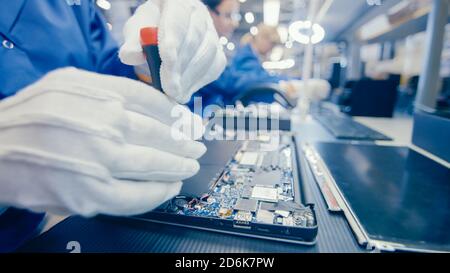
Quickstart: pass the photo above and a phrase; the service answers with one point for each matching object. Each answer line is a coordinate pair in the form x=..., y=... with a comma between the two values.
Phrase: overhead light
x=271, y=12
x=305, y=32
x=253, y=30
x=223, y=40
x=280, y=65
x=231, y=46
x=242, y=1
x=104, y=4
x=249, y=17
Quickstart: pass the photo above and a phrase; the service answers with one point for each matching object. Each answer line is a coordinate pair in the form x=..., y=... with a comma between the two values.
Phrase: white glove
x=77, y=142
x=189, y=46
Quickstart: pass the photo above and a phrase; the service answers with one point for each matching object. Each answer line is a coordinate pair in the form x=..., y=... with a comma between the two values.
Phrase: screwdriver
x=149, y=42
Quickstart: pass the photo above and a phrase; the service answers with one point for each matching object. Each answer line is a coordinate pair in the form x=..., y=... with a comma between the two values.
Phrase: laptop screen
x=397, y=194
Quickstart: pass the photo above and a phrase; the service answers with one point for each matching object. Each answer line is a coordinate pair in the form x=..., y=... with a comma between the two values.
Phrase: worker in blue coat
x=75, y=140
x=38, y=37
x=244, y=70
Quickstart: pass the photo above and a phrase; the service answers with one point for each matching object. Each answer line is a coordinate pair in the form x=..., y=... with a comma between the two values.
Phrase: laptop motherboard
x=257, y=190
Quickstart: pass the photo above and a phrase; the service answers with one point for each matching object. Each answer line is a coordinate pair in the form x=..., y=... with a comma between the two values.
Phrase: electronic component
x=267, y=161
x=283, y=213
x=303, y=217
x=251, y=146
x=281, y=205
x=246, y=204
x=243, y=217
x=249, y=159
x=265, y=193
x=279, y=220
x=264, y=216
x=268, y=206
x=268, y=178
x=225, y=212
x=199, y=206
x=275, y=160
x=309, y=218
x=288, y=221
x=299, y=219
x=246, y=191
x=255, y=187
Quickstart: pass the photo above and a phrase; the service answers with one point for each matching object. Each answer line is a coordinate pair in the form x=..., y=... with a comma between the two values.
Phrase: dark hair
x=212, y=4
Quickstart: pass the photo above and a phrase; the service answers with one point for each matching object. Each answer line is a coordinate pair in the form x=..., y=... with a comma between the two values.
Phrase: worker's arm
x=244, y=71
x=78, y=142
x=104, y=49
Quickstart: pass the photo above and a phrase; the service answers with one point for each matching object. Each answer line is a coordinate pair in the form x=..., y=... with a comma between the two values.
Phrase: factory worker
x=244, y=70
x=78, y=135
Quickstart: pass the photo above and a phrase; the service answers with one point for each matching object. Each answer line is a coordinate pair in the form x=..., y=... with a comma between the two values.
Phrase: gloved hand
x=77, y=142
x=189, y=46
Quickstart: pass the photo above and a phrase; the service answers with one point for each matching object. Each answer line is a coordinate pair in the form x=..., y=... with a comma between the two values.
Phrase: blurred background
x=352, y=40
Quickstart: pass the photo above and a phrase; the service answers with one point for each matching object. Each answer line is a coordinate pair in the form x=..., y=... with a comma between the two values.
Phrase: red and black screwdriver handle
x=149, y=42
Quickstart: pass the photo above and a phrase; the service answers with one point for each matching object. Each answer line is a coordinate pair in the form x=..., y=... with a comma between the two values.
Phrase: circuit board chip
x=246, y=204
x=267, y=194
x=247, y=191
x=243, y=217
x=249, y=159
x=264, y=178
x=264, y=216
